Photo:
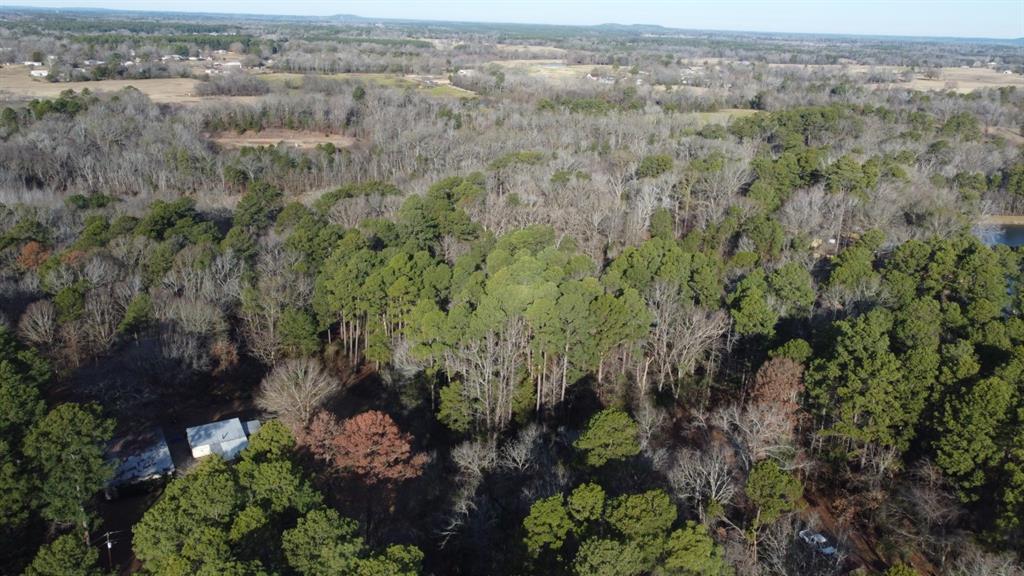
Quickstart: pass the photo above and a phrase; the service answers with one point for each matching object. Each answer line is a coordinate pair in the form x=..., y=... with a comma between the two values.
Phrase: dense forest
x=667, y=315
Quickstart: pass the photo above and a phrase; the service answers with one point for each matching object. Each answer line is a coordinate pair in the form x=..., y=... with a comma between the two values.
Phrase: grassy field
x=961, y=80
x=430, y=85
x=964, y=80
x=16, y=84
x=722, y=116
x=549, y=51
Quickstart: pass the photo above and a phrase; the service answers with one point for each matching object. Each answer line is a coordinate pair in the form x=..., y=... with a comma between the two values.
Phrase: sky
x=963, y=18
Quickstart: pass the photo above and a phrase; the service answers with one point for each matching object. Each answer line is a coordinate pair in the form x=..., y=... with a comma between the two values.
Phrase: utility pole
x=109, y=545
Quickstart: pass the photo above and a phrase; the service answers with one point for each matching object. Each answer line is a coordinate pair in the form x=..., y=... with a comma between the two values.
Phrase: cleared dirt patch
x=1002, y=220
x=537, y=50
x=555, y=70
x=1012, y=137
x=723, y=116
x=295, y=138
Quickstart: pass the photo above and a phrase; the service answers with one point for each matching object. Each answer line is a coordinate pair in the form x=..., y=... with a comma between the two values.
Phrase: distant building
x=32, y=63
x=226, y=438
x=233, y=64
x=41, y=73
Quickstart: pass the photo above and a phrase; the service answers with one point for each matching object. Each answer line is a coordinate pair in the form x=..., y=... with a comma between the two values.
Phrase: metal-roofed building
x=226, y=438
x=139, y=458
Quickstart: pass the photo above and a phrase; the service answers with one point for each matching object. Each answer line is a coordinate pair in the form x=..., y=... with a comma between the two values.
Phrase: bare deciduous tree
x=682, y=336
x=489, y=367
x=101, y=317
x=759, y=431
x=517, y=453
x=295, y=389
x=474, y=459
x=705, y=480
x=38, y=324
x=973, y=561
x=279, y=286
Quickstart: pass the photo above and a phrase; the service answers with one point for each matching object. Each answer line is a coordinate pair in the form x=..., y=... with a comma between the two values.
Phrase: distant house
x=233, y=64
x=139, y=458
x=32, y=63
x=226, y=438
x=41, y=73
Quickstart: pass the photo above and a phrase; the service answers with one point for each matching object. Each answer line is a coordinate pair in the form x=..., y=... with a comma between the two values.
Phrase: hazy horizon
x=994, y=19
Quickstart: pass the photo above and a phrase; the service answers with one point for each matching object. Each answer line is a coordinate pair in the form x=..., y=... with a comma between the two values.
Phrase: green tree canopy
x=610, y=435
x=749, y=308
x=68, y=555
x=66, y=447
x=773, y=492
x=859, y=389
x=973, y=428
x=547, y=525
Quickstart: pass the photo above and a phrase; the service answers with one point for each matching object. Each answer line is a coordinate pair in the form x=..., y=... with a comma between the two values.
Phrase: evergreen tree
x=610, y=435
x=66, y=447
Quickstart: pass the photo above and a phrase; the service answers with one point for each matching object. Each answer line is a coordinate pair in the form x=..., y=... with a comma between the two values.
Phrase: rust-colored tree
x=779, y=382
x=369, y=447
x=32, y=254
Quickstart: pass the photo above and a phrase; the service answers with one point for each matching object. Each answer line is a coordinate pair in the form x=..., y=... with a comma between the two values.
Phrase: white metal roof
x=215, y=432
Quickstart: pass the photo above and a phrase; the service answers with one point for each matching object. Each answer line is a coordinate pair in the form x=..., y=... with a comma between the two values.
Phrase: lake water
x=1009, y=234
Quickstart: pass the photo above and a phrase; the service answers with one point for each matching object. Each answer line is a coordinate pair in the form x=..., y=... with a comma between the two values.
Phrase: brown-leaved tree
x=369, y=447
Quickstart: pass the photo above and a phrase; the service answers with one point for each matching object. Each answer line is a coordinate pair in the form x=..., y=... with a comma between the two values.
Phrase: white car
x=818, y=541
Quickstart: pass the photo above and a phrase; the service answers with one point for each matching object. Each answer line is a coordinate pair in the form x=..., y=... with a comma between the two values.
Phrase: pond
x=1009, y=234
